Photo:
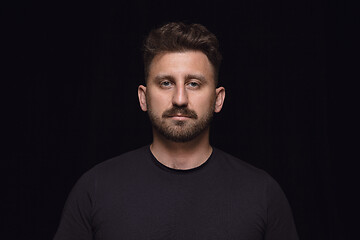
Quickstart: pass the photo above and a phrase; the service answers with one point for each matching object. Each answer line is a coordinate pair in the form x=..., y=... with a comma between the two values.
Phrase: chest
x=213, y=209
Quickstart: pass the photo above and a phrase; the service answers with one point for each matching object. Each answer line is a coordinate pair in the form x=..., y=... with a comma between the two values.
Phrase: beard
x=180, y=130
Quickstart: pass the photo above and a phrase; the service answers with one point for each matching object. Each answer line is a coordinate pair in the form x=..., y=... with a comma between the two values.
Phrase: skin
x=185, y=80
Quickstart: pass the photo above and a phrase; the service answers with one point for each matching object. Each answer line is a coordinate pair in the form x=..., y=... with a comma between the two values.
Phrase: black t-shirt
x=134, y=196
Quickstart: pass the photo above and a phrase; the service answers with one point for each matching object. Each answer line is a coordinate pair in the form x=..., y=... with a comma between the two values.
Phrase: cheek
x=204, y=104
x=156, y=102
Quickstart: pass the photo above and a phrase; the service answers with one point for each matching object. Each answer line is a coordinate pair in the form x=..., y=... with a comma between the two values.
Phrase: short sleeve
x=280, y=222
x=75, y=221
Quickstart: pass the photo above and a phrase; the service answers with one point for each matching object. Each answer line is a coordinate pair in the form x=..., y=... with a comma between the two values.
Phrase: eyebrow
x=195, y=76
x=164, y=77
x=187, y=77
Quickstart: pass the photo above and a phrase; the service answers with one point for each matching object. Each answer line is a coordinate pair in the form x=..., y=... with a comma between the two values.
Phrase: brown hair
x=179, y=37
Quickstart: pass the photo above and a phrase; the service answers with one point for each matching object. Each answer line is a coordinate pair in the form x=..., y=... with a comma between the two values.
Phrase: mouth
x=179, y=114
x=179, y=117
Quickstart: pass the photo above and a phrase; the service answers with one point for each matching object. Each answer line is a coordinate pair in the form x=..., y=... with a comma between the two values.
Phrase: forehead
x=181, y=63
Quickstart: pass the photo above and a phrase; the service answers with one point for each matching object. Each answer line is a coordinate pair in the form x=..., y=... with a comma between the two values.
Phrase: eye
x=165, y=84
x=194, y=84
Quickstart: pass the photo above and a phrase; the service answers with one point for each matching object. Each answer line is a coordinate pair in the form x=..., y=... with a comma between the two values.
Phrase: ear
x=142, y=97
x=220, y=97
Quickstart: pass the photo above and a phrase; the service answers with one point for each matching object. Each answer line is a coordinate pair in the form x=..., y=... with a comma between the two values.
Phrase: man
x=179, y=187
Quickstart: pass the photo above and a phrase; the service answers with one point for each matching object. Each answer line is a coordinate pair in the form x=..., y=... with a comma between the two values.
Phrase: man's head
x=181, y=95
x=180, y=37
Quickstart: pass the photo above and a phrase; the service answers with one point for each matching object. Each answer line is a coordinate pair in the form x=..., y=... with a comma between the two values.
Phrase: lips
x=179, y=113
x=179, y=117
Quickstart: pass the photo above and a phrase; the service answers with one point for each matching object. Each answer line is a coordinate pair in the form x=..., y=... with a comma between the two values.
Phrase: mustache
x=183, y=111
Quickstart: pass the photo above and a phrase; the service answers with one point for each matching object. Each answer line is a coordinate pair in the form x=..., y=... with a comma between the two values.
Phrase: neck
x=181, y=155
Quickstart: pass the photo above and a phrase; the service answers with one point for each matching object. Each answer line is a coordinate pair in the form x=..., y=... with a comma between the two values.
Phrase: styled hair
x=180, y=37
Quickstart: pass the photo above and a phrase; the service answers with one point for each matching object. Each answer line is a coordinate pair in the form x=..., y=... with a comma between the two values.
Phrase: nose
x=180, y=98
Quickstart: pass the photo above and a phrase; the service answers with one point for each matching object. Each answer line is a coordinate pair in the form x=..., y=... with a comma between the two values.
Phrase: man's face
x=181, y=95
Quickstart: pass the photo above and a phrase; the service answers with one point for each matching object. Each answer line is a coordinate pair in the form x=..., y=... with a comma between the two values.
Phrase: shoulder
x=121, y=165
x=239, y=167
x=124, y=159
x=243, y=175
x=246, y=177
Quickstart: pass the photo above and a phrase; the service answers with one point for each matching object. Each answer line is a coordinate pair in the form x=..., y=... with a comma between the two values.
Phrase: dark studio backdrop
x=73, y=77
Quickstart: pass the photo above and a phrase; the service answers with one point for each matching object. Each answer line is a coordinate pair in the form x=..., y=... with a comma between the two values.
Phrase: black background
x=71, y=75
